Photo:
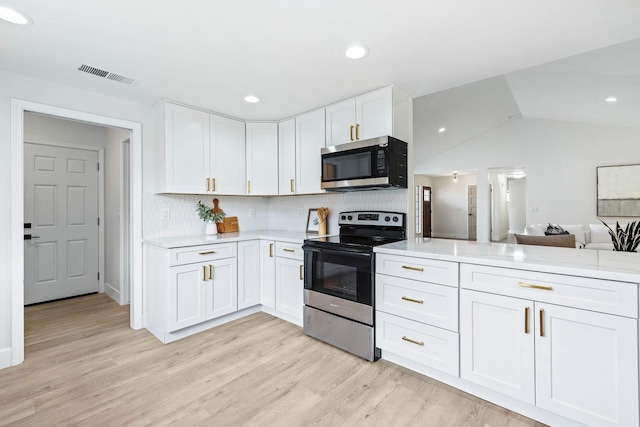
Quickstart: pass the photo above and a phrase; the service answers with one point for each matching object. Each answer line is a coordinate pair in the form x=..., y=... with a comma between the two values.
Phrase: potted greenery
x=206, y=214
x=625, y=239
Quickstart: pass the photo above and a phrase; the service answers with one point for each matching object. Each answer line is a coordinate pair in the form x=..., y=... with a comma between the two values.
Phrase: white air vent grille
x=106, y=74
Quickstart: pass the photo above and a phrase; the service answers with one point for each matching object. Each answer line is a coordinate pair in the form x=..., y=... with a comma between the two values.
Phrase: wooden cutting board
x=230, y=224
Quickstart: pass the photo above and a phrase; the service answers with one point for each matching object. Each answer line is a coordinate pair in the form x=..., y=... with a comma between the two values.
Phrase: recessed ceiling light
x=13, y=16
x=442, y=130
x=356, y=52
x=252, y=99
x=611, y=99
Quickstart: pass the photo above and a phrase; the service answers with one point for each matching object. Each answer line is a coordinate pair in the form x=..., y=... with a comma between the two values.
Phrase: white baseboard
x=113, y=293
x=5, y=358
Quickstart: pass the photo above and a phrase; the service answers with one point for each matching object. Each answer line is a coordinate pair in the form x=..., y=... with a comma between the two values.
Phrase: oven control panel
x=377, y=218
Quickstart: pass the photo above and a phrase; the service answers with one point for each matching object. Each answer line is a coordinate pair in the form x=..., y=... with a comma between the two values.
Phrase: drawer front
x=424, y=344
x=191, y=254
x=426, y=270
x=289, y=250
x=436, y=305
x=605, y=296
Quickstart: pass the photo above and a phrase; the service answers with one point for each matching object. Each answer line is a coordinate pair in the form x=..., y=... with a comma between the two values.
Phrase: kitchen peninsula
x=551, y=333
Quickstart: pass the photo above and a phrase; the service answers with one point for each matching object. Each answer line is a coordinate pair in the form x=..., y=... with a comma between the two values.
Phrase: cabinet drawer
x=436, y=305
x=424, y=344
x=427, y=270
x=190, y=254
x=289, y=250
x=605, y=296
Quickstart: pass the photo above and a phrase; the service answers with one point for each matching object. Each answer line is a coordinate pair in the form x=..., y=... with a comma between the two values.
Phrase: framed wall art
x=618, y=190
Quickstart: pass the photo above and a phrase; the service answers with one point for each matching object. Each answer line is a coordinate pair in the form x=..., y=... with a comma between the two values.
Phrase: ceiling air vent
x=106, y=74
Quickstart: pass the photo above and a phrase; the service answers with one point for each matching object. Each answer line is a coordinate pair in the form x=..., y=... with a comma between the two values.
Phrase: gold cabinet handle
x=357, y=131
x=208, y=181
x=407, y=267
x=529, y=285
x=288, y=250
x=291, y=185
x=417, y=301
x=248, y=187
x=210, y=271
x=541, y=322
x=204, y=273
x=351, y=132
x=526, y=320
x=301, y=274
x=206, y=253
x=421, y=343
x=214, y=184
x=270, y=250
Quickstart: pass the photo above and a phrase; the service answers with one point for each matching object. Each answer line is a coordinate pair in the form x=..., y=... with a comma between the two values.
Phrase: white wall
x=560, y=159
x=450, y=206
x=26, y=88
x=517, y=205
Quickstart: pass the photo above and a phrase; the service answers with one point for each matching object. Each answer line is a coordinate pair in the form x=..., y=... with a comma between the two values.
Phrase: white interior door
x=61, y=203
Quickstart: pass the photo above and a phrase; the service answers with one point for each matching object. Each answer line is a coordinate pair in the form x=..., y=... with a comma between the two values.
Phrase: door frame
x=18, y=108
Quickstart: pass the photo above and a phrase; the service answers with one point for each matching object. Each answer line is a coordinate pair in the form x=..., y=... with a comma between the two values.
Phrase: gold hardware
x=526, y=320
x=528, y=285
x=204, y=273
x=214, y=184
x=208, y=184
x=210, y=271
x=418, y=301
x=351, y=132
x=541, y=322
x=357, y=132
x=413, y=341
x=301, y=276
x=288, y=250
x=406, y=267
x=291, y=185
x=206, y=253
x=248, y=187
x=270, y=250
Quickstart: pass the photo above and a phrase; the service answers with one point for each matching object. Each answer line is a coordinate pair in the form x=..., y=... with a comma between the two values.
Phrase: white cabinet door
x=262, y=159
x=374, y=114
x=227, y=153
x=287, y=157
x=248, y=273
x=309, y=141
x=587, y=365
x=186, y=300
x=267, y=274
x=340, y=126
x=289, y=287
x=222, y=287
x=497, y=343
x=186, y=149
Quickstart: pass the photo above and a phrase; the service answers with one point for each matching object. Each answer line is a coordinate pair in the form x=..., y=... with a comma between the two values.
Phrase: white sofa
x=590, y=236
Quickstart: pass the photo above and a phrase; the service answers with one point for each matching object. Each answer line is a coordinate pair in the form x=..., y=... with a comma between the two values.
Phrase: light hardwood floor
x=85, y=366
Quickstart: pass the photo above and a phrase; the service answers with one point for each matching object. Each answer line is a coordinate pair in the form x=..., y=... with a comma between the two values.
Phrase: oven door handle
x=345, y=252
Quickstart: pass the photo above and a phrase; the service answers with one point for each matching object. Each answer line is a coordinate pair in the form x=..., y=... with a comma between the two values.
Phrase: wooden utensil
x=323, y=213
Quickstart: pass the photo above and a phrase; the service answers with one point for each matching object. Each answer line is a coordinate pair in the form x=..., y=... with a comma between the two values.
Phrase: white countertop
x=611, y=265
x=200, y=239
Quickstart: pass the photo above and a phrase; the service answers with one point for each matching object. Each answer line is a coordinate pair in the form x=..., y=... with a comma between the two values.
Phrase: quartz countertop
x=194, y=240
x=610, y=265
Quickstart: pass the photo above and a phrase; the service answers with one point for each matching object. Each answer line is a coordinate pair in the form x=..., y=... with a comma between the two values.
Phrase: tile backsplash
x=260, y=213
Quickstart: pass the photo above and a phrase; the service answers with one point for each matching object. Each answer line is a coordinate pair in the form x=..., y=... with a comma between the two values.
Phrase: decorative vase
x=210, y=229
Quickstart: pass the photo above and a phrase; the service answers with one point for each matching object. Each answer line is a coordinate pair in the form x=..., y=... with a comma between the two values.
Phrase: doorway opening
x=507, y=204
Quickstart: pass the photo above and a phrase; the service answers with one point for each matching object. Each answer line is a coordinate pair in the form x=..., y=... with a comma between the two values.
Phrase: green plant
x=626, y=239
x=206, y=214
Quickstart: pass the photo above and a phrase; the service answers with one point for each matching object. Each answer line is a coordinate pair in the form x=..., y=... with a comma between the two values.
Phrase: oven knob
x=343, y=217
x=395, y=219
x=350, y=217
x=386, y=218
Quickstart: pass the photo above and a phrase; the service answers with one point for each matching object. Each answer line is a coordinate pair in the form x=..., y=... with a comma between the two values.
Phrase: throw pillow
x=599, y=233
x=534, y=230
x=578, y=231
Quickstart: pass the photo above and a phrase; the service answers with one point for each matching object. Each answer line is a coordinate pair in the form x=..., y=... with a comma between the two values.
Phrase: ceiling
x=210, y=54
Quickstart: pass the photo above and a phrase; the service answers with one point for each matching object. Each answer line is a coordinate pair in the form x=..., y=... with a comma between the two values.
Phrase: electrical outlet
x=166, y=214
x=252, y=212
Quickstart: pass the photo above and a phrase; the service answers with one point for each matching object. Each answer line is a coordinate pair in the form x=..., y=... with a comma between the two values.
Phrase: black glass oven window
x=343, y=275
x=347, y=166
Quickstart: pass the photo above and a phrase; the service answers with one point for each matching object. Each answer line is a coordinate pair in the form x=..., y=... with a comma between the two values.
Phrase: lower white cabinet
x=289, y=288
x=267, y=274
x=248, y=273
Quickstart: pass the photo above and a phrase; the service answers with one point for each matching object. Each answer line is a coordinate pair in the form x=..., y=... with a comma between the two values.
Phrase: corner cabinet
x=262, y=159
x=309, y=141
x=386, y=111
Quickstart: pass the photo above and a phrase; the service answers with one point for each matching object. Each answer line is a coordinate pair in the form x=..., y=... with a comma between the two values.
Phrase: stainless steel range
x=339, y=280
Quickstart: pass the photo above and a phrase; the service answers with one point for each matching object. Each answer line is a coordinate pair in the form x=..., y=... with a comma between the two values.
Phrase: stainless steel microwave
x=363, y=165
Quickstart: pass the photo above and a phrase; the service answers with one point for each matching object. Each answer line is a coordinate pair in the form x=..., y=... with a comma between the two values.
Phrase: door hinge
x=98, y=275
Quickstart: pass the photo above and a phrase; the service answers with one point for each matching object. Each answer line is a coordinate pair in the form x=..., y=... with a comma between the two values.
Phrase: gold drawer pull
x=291, y=185
x=526, y=320
x=208, y=186
x=270, y=250
x=529, y=285
x=213, y=180
x=418, y=301
x=289, y=250
x=207, y=253
x=210, y=272
x=248, y=187
x=351, y=133
x=204, y=273
x=421, y=343
x=301, y=274
x=541, y=322
x=407, y=267
x=357, y=131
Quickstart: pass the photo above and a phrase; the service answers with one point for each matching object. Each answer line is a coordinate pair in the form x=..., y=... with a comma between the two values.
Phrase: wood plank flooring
x=85, y=366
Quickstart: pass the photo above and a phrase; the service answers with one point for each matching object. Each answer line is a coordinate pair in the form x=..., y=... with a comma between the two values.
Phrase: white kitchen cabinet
x=386, y=111
x=267, y=274
x=289, y=288
x=227, y=152
x=222, y=287
x=310, y=139
x=249, y=273
x=187, y=303
x=262, y=159
x=287, y=157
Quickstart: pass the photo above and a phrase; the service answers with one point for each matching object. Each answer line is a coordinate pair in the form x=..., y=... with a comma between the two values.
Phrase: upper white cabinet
x=193, y=149
x=309, y=140
x=262, y=159
x=382, y=112
x=287, y=157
